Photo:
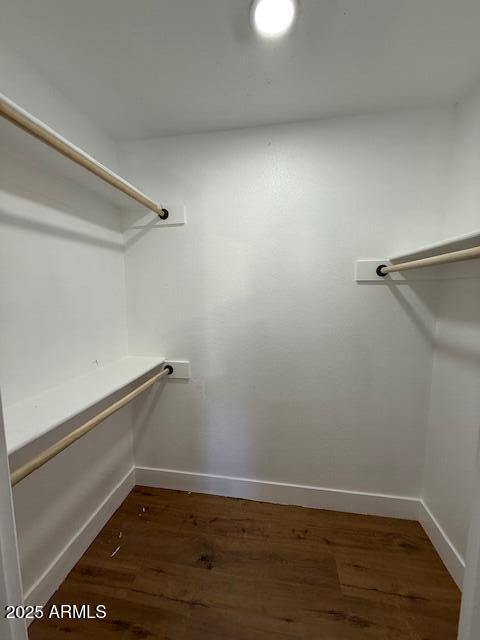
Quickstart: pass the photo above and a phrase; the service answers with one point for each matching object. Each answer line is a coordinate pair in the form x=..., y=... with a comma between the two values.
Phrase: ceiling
x=142, y=68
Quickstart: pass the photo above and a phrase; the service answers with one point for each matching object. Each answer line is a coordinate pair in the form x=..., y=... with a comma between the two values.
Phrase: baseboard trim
x=281, y=493
x=377, y=504
x=55, y=574
x=451, y=558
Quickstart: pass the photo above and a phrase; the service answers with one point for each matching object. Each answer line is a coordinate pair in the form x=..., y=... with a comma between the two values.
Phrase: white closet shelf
x=456, y=243
x=31, y=419
x=23, y=134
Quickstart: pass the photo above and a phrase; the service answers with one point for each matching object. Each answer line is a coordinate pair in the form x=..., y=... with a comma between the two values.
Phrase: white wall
x=299, y=375
x=11, y=591
x=61, y=278
x=454, y=416
x=63, y=313
x=462, y=216
x=58, y=316
x=62, y=507
x=260, y=281
x=20, y=82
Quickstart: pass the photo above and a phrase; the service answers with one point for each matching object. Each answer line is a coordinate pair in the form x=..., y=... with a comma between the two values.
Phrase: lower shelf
x=29, y=420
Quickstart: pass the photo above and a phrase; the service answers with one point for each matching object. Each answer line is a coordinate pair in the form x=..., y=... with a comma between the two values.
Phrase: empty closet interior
x=239, y=277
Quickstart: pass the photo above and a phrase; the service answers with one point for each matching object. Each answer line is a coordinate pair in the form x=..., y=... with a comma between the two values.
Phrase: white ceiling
x=143, y=68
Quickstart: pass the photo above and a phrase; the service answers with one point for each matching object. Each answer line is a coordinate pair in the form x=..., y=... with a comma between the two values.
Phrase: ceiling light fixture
x=273, y=18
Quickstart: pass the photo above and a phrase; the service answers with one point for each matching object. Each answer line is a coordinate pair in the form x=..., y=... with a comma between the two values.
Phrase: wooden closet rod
x=444, y=258
x=46, y=455
x=21, y=118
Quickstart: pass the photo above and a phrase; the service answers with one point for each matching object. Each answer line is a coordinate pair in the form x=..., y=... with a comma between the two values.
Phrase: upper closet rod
x=12, y=112
x=444, y=258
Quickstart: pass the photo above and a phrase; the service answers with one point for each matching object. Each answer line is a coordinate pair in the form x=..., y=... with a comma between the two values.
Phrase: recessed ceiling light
x=273, y=18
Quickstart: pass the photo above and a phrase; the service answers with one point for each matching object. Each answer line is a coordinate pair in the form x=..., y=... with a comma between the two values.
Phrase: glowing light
x=273, y=18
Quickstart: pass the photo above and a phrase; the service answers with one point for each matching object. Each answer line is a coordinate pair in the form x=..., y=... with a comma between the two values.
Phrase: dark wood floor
x=181, y=566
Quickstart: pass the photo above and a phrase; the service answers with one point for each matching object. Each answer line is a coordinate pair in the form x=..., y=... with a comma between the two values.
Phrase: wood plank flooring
x=177, y=566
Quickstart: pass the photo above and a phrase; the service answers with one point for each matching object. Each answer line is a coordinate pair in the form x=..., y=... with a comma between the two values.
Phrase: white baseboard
x=277, y=492
x=374, y=504
x=445, y=548
x=55, y=574
x=281, y=493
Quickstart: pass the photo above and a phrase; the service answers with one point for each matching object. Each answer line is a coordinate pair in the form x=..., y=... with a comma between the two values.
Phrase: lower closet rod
x=39, y=460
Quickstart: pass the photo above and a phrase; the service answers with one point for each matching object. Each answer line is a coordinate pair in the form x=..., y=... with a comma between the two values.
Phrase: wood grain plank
x=180, y=566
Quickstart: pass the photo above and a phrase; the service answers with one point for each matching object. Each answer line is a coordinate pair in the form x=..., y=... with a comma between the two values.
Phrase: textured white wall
x=61, y=278
x=463, y=214
x=58, y=315
x=63, y=310
x=10, y=578
x=300, y=375
x=259, y=281
x=454, y=417
x=53, y=506
x=20, y=82
x=63, y=313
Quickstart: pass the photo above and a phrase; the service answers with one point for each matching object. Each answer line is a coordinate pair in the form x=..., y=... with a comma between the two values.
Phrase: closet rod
x=21, y=118
x=444, y=258
x=46, y=455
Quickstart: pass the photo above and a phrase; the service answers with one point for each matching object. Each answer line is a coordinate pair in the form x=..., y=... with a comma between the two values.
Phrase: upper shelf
x=42, y=142
x=457, y=243
x=31, y=419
